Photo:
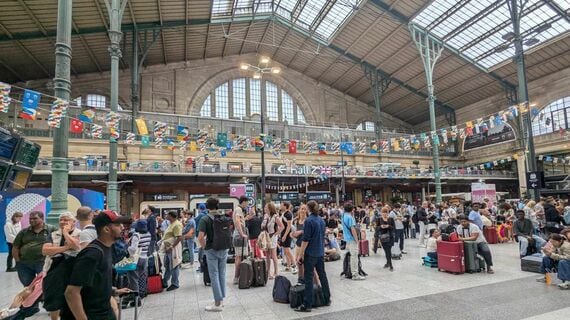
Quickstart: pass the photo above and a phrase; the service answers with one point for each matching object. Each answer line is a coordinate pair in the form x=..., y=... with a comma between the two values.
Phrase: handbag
x=384, y=237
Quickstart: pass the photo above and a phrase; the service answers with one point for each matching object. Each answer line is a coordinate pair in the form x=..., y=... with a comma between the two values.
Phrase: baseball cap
x=107, y=217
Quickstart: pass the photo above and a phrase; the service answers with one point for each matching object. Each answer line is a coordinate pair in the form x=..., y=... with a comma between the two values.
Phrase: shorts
x=274, y=240
x=286, y=243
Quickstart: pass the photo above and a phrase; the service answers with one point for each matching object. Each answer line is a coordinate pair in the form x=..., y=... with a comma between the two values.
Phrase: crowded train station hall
x=284, y=159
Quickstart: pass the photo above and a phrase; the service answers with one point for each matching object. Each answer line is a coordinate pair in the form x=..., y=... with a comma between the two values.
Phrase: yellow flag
x=193, y=146
x=141, y=126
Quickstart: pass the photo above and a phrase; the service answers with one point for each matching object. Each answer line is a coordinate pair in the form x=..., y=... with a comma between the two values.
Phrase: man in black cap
x=89, y=289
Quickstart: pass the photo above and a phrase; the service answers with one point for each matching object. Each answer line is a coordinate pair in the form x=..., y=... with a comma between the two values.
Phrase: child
x=434, y=235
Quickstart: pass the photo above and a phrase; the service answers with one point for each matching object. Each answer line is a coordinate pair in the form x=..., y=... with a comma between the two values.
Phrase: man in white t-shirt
x=468, y=231
x=88, y=233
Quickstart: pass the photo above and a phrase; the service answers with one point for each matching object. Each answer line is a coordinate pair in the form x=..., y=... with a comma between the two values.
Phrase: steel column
x=516, y=9
x=430, y=50
x=62, y=90
x=135, y=80
x=378, y=84
x=115, y=9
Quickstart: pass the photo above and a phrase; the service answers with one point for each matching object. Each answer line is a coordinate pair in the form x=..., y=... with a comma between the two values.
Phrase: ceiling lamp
x=503, y=47
x=264, y=59
x=257, y=75
x=543, y=28
x=275, y=70
x=244, y=66
x=509, y=36
x=531, y=42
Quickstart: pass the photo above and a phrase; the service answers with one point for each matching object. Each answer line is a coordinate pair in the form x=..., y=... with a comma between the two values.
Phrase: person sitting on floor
x=523, y=232
x=557, y=257
x=434, y=235
x=332, y=249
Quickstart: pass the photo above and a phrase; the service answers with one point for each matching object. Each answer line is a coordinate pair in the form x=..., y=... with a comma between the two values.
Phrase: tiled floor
x=410, y=282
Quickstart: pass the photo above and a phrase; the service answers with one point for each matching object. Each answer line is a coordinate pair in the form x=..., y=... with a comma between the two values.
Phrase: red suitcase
x=154, y=284
x=363, y=248
x=450, y=257
x=491, y=235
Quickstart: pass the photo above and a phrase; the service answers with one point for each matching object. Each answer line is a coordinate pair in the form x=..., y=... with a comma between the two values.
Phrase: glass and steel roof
x=482, y=29
x=319, y=18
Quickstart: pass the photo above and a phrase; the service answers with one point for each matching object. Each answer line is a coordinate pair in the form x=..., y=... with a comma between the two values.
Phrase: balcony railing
x=172, y=167
x=283, y=130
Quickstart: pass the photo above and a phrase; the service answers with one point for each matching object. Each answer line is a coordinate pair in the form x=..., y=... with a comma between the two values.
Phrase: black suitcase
x=245, y=274
x=136, y=300
x=471, y=259
x=259, y=272
x=531, y=263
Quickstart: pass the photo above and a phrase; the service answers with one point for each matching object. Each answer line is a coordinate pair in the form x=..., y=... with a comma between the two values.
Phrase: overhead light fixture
x=531, y=42
x=509, y=36
x=264, y=59
x=244, y=66
x=543, y=28
x=502, y=48
x=275, y=70
x=257, y=75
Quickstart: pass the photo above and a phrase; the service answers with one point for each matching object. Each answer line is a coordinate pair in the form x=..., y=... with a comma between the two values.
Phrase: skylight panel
x=483, y=39
x=320, y=18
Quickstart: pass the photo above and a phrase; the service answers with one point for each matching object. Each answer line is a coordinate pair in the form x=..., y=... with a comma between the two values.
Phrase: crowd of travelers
x=80, y=266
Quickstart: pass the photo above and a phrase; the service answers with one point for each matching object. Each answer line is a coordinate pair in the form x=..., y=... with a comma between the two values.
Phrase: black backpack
x=281, y=289
x=222, y=231
x=346, y=270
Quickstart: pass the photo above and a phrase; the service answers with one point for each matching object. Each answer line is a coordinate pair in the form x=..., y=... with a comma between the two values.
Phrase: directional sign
x=341, y=163
x=535, y=180
x=251, y=202
x=282, y=169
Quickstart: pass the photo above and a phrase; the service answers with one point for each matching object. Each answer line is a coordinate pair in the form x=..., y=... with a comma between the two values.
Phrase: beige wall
x=181, y=88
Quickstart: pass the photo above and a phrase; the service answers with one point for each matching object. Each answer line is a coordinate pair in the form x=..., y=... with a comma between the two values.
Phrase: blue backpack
x=120, y=250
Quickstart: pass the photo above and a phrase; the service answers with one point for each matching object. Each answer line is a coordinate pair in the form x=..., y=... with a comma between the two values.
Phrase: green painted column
x=62, y=90
x=115, y=9
x=430, y=50
x=135, y=80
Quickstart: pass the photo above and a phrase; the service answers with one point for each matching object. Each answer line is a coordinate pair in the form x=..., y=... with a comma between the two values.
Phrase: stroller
x=24, y=303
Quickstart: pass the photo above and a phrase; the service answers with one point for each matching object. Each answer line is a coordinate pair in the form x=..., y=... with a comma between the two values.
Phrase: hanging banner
x=96, y=131
x=5, y=99
x=145, y=141
x=482, y=191
x=182, y=133
x=131, y=138
x=222, y=139
x=87, y=115
x=141, y=127
x=292, y=146
x=76, y=126
x=57, y=112
x=499, y=133
x=30, y=103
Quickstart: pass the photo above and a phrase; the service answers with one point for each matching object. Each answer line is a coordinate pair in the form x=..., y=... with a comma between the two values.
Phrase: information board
x=18, y=178
x=8, y=144
x=27, y=154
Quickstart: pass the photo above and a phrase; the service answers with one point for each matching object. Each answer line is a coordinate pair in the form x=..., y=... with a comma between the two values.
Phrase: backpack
x=264, y=241
x=222, y=231
x=346, y=271
x=281, y=289
x=120, y=250
x=415, y=218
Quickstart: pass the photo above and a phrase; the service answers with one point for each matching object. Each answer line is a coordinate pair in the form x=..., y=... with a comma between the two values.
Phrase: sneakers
x=172, y=287
x=214, y=308
x=564, y=286
x=358, y=277
x=287, y=269
x=541, y=279
x=404, y=252
x=236, y=280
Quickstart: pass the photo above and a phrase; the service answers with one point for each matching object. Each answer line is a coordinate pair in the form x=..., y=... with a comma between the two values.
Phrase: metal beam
x=26, y=51
x=400, y=17
x=87, y=48
x=14, y=72
x=556, y=8
x=250, y=26
x=165, y=59
x=206, y=42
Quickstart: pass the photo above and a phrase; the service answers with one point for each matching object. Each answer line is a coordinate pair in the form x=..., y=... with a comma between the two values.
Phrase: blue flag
x=30, y=103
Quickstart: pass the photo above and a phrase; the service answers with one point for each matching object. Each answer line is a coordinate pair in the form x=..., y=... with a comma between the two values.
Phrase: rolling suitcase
x=245, y=272
x=491, y=235
x=472, y=262
x=396, y=253
x=363, y=248
x=531, y=263
x=136, y=301
x=296, y=295
x=450, y=257
x=259, y=272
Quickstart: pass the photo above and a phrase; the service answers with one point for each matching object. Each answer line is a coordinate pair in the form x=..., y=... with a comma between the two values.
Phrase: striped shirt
x=142, y=241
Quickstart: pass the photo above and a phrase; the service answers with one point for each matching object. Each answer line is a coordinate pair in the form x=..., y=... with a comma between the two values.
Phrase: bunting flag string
x=210, y=141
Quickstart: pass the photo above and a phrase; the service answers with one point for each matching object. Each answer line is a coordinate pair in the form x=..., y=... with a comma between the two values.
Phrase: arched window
x=366, y=126
x=96, y=101
x=552, y=118
x=241, y=98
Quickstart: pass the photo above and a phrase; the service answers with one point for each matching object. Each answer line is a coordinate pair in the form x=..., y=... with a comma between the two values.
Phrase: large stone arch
x=233, y=73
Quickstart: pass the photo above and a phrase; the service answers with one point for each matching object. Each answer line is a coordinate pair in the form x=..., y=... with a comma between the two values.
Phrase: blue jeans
x=170, y=273
x=190, y=244
x=400, y=238
x=548, y=265
x=564, y=270
x=310, y=264
x=523, y=244
x=217, y=270
x=27, y=271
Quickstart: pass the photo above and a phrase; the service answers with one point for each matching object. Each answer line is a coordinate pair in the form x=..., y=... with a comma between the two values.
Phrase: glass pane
x=552, y=118
x=206, y=110
x=272, y=101
x=300, y=116
x=96, y=100
x=255, y=96
x=222, y=110
x=239, y=98
x=288, y=112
